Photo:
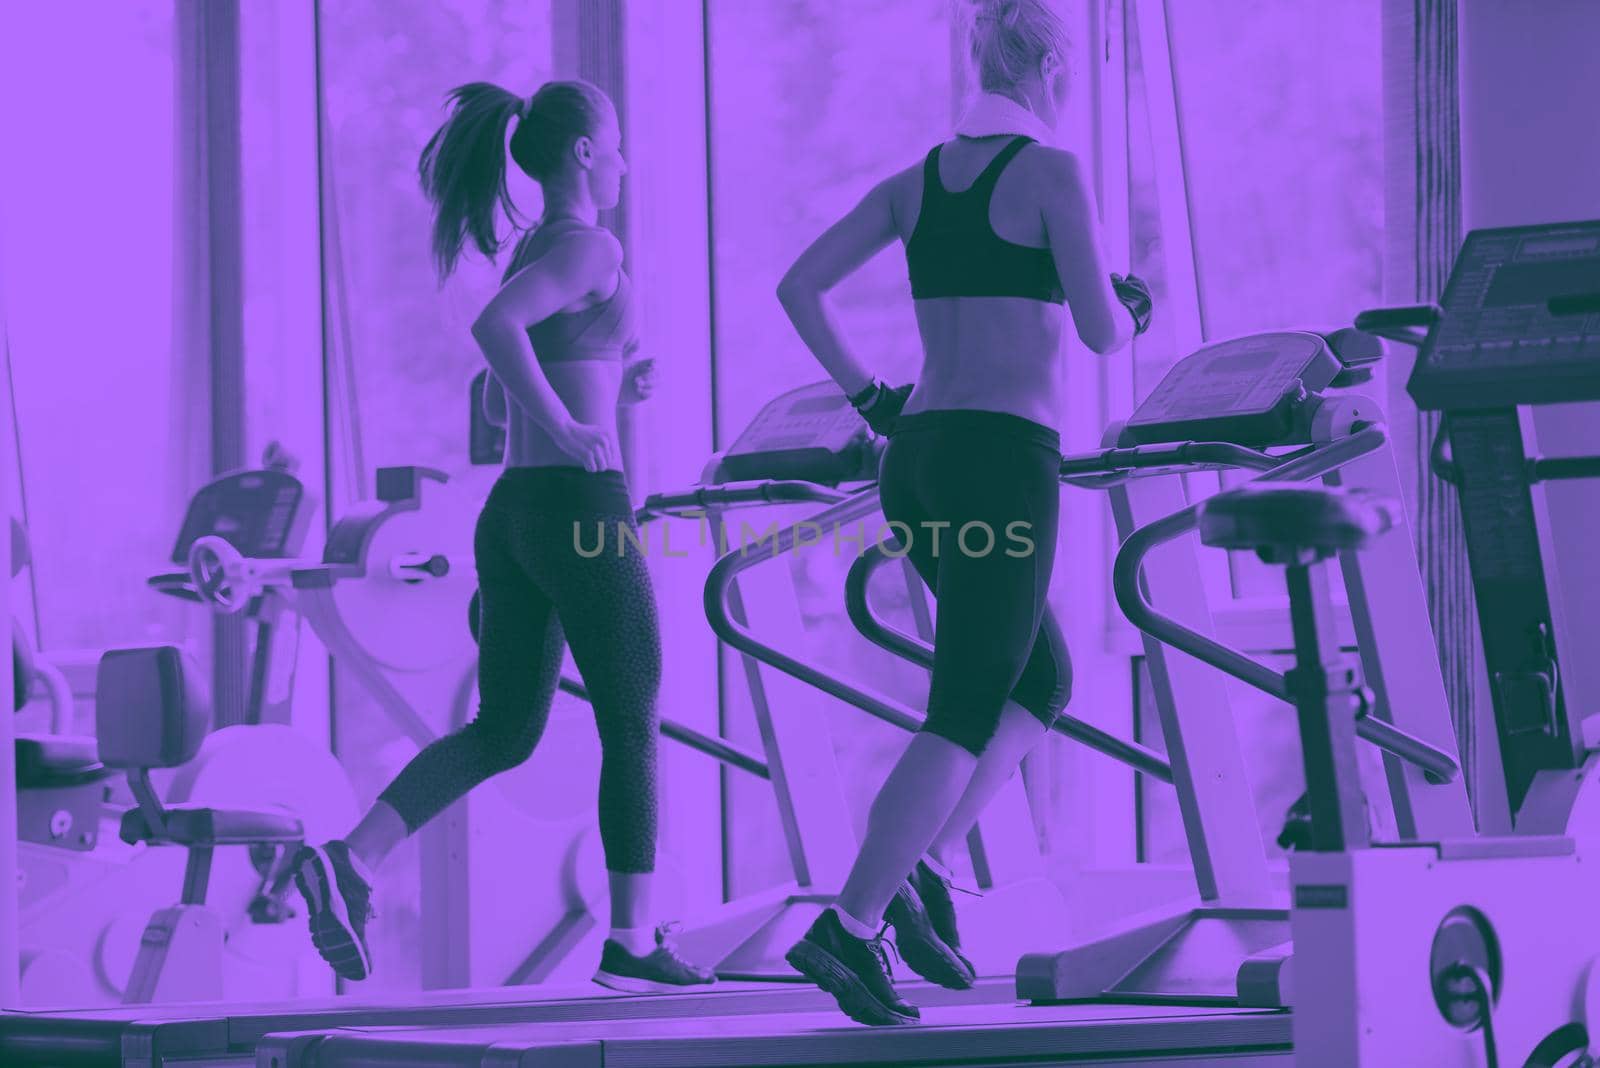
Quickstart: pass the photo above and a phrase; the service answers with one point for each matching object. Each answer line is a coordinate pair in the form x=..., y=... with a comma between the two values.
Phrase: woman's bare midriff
x=998, y=354
x=588, y=388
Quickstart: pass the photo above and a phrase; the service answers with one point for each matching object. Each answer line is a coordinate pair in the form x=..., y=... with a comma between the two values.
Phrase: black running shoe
x=920, y=945
x=854, y=970
x=339, y=904
x=934, y=891
x=660, y=970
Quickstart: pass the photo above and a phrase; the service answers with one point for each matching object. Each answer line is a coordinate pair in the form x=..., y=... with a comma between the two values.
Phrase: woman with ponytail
x=560, y=341
x=1001, y=239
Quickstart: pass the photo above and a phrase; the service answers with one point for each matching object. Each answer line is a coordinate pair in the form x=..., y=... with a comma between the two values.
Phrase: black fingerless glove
x=880, y=406
x=1135, y=296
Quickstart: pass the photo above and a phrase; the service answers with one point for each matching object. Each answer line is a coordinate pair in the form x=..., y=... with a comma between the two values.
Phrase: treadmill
x=807, y=446
x=1517, y=330
x=1114, y=1025
x=990, y=1025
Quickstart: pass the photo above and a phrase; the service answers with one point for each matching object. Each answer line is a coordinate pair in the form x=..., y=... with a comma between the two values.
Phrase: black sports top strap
x=954, y=251
x=984, y=184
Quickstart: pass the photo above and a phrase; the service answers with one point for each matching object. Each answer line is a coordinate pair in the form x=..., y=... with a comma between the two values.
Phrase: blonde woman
x=1001, y=240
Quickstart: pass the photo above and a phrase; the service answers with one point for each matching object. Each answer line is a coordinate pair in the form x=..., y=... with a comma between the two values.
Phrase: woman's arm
x=494, y=402
x=576, y=266
x=638, y=382
x=843, y=248
x=1072, y=226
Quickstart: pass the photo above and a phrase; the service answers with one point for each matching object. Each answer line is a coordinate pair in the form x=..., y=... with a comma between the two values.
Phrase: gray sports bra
x=604, y=331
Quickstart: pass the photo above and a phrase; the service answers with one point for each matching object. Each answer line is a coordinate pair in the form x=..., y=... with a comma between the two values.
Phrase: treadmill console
x=1244, y=391
x=259, y=512
x=1521, y=322
x=811, y=433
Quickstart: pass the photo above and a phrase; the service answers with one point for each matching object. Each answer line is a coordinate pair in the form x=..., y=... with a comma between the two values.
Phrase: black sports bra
x=954, y=251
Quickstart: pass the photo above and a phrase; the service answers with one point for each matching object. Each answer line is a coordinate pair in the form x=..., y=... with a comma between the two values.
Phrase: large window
x=1255, y=198
x=106, y=412
x=795, y=144
x=400, y=351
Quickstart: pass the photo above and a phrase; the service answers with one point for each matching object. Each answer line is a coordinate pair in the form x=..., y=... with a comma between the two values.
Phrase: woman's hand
x=1134, y=294
x=590, y=445
x=638, y=381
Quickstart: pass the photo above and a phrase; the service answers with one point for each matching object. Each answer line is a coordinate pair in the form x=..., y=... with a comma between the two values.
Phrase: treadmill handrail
x=1126, y=581
x=1557, y=468
x=1535, y=469
x=909, y=647
x=1196, y=454
x=1408, y=324
x=727, y=495
x=719, y=613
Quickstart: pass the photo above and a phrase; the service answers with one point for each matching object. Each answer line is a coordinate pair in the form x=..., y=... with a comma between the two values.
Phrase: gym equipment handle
x=1535, y=468
x=1194, y=454
x=1408, y=324
x=1127, y=584
x=735, y=495
x=719, y=613
x=414, y=567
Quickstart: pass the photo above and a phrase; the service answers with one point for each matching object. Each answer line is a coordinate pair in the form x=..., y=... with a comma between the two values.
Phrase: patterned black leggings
x=555, y=570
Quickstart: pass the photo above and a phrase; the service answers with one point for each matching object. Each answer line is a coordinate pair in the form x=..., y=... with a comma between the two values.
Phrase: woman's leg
x=916, y=800
x=979, y=480
x=991, y=598
x=519, y=661
x=519, y=666
x=376, y=836
x=1036, y=702
x=1018, y=732
x=608, y=611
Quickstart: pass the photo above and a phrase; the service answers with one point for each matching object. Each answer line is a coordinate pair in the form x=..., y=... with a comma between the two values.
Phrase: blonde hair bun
x=1009, y=38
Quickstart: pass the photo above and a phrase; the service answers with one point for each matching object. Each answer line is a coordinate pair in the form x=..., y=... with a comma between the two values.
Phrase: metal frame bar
x=1127, y=582
x=909, y=647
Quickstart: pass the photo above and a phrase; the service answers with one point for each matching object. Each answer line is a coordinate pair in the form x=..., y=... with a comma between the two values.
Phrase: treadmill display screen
x=255, y=510
x=1501, y=342
x=1560, y=246
x=817, y=404
x=1534, y=283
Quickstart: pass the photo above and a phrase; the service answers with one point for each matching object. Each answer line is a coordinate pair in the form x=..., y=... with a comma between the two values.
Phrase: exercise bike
x=1466, y=950
x=98, y=813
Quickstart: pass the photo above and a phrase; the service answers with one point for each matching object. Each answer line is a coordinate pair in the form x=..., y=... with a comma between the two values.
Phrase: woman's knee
x=972, y=727
x=1045, y=687
x=498, y=749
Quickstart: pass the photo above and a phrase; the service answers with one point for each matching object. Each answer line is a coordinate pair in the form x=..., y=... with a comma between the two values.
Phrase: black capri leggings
x=975, y=499
x=554, y=569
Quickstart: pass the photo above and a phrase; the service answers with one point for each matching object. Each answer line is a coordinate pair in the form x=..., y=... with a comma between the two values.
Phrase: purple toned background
x=1268, y=212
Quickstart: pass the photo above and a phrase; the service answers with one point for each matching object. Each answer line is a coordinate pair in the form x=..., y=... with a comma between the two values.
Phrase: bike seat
x=1272, y=519
x=194, y=825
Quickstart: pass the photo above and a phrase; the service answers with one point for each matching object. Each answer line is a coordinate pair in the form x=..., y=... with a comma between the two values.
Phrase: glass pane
x=793, y=149
x=104, y=407
x=1279, y=113
x=1281, y=156
x=1283, y=148
x=403, y=351
x=1273, y=765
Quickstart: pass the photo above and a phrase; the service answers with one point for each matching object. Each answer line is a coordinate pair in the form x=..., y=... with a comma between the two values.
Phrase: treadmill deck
x=748, y=1024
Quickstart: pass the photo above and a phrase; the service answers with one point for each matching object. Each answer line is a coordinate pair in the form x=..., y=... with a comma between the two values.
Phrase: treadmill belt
x=972, y=1034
